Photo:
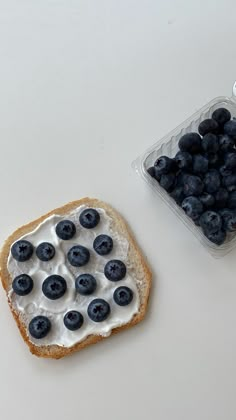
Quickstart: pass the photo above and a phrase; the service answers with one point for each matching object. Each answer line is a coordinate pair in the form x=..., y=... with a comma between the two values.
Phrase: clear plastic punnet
x=168, y=146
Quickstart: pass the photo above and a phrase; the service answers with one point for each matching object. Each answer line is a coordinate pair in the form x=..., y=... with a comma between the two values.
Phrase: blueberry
x=54, y=287
x=167, y=181
x=22, y=284
x=193, y=185
x=89, y=218
x=178, y=195
x=225, y=214
x=151, y=171
x=230, y=182
x=208, y=126
x=183, y=160
x=103, y=244
x=214, y=160
x=22, y=250
x=85, y=284
x=123, y=296
x=207, y=200
x=65, y=230
x=190, y=142
x=225, y=172
x=221, y=198
x=78, y=256
x=192, y=207
x=157, y=176
x=212, y=181
x=73, y=320
x=217, y=237
x=181, y=178
x=210, y=221
x=164, y=165
x=200, y=164
x=98, y=310
x=39, y=326
x=221, y=115
x=232, y=200
x=115, y=270
x=230, y=128
x=45, y=251
x=229, y=219
x=226, y=143
x=210, y=143
x=230, y=223
x=230, y=161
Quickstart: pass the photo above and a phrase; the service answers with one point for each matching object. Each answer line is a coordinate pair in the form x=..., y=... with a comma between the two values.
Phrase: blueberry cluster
x=201, y=178
x=55, y=286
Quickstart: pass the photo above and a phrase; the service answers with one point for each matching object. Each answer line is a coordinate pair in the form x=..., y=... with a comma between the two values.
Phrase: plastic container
x=168, y=146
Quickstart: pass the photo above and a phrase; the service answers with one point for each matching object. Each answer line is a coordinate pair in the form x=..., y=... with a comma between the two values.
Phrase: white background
x=85, y=87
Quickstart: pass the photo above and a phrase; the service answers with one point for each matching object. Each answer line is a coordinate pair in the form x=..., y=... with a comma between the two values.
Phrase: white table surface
x=85, y=87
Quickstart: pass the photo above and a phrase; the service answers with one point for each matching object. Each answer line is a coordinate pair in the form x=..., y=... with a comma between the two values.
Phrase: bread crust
x=141, y=269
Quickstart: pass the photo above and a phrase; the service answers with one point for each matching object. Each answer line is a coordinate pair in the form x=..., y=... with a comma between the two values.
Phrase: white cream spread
x=35, y=303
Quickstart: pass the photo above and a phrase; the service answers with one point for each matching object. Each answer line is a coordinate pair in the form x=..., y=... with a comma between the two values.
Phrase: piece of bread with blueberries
x=73, y=277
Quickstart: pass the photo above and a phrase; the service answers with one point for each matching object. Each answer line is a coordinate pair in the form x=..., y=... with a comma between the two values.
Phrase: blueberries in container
x=201, y=178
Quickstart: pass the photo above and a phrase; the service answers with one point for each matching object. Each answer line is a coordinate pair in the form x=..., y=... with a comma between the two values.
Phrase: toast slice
x=141, y=275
